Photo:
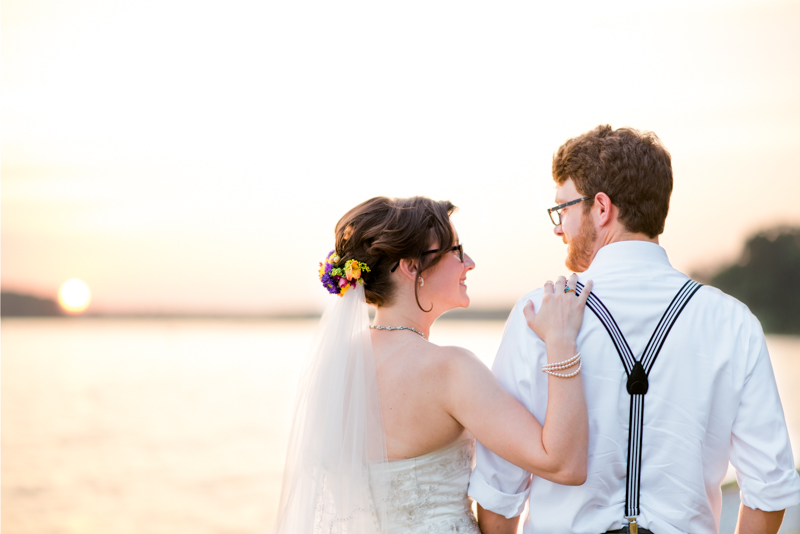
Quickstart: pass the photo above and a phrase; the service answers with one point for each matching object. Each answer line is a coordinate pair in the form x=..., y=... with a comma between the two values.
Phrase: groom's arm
x=492, y=523
x=498, y=486
x=750, y=521
x=760, y=449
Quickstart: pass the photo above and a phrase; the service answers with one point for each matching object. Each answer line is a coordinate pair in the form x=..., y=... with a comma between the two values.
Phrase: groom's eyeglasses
x=458, y=248
x=555, y=213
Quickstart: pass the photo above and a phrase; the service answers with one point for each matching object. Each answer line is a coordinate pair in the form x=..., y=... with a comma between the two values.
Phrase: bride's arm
x=557, y=451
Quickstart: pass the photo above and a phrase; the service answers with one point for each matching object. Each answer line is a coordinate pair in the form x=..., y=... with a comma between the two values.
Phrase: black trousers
x=625, y=530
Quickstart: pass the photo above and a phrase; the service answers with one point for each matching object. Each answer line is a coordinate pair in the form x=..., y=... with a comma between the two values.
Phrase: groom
x=672, y=397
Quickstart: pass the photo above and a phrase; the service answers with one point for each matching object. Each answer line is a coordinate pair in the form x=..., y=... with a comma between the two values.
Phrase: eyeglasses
x=557, y=210
x=458, y=248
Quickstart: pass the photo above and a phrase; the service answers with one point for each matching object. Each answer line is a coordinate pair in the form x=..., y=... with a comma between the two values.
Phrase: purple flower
x=330, y=283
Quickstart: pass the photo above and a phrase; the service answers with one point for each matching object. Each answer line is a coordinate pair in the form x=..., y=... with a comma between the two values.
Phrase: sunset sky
x=194, y=157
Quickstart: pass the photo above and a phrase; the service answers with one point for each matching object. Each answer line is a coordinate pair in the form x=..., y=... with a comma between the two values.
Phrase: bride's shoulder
x=457, y=370
x=454, y=359
x=448, y=352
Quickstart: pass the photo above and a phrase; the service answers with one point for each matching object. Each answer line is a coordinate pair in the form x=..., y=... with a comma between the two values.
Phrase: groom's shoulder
x=520, y=346
x=516, y=314
x=517, y=325
x=534, y=296
x=725, y=308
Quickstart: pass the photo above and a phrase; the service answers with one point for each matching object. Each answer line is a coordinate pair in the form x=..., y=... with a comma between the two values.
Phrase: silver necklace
x=378, y=327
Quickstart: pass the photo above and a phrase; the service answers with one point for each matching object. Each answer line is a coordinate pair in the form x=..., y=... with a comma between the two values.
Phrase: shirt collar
x=627, y=252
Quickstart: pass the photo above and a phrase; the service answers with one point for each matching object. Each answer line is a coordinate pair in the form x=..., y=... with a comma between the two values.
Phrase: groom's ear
x=604, y=209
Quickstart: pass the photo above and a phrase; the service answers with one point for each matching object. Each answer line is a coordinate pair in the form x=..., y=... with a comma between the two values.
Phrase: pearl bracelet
x=562, y=365
x=562, y=375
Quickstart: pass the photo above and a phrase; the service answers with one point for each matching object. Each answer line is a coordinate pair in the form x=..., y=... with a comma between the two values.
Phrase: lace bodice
x=428, y=494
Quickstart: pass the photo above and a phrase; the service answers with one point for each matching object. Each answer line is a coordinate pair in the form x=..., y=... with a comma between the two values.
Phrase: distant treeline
x=19, y=305
x=766, y=277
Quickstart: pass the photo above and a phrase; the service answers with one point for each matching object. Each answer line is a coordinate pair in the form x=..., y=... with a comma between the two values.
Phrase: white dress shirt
x=712, y=398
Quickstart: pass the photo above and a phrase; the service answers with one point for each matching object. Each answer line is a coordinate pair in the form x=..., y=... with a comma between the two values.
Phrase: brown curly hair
x=633, y=168
x=382, y=231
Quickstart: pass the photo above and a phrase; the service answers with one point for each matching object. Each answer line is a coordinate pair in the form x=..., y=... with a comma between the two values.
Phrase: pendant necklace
x=378, y=327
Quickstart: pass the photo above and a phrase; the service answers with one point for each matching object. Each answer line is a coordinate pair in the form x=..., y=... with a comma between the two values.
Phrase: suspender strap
x=638, y=372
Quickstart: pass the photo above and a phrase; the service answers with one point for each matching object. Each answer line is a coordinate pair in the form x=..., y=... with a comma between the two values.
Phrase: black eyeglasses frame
x=557, y=209
x=459, y=248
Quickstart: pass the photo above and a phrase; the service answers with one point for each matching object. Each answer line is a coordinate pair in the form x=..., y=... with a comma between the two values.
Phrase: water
x=171, y=426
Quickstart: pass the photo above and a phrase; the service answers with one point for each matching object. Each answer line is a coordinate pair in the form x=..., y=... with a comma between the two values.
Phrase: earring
x=421, y=282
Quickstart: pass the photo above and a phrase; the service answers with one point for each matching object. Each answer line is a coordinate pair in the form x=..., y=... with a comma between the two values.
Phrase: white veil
x=337, y=431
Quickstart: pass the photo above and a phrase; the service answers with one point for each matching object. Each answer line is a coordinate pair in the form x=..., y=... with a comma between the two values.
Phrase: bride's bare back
x=411, y=376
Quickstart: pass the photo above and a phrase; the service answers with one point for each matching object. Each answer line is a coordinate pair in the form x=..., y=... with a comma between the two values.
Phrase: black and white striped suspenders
x=638, y=371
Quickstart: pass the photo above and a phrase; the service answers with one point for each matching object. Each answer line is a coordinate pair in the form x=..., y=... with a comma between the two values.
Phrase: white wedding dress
x=428, y=494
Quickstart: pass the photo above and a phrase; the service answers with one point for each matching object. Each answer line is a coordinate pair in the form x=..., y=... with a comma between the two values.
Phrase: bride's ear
x=408, y=269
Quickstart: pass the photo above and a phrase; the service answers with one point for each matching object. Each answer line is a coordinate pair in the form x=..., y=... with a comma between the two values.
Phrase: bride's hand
x=561, y=314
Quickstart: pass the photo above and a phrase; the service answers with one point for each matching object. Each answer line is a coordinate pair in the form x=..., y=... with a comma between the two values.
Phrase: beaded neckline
x=379, y=327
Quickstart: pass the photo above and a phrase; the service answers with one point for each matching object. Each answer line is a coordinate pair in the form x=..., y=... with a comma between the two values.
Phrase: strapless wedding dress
x=428, y=494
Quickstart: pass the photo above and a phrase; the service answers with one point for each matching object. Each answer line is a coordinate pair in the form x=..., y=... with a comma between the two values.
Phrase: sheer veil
x=337, y=431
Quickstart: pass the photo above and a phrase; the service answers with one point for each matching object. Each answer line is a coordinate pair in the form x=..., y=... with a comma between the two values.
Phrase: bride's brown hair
x=382, y=231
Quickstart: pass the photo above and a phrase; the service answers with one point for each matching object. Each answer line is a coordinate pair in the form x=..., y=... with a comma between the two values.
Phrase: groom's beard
x=580, y=248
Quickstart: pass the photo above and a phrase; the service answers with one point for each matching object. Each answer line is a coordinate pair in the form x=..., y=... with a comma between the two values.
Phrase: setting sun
x=74, y=296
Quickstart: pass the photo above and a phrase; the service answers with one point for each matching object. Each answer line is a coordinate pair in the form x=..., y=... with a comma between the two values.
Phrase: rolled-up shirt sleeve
x=760, y=449
x=496, y=484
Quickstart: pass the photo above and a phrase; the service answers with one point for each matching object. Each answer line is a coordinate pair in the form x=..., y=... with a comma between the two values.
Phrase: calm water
x=176, y=426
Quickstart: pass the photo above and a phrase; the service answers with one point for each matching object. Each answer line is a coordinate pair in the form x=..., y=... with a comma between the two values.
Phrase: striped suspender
x=638, y=371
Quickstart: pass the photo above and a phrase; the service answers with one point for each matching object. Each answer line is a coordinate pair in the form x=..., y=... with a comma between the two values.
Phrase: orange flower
x=353, y=270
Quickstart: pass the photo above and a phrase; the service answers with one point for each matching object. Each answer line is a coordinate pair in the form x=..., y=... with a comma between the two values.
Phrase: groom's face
x=576, y=229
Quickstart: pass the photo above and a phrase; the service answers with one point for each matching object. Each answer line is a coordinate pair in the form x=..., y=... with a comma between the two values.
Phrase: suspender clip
x=637, y=380
x=633, y=528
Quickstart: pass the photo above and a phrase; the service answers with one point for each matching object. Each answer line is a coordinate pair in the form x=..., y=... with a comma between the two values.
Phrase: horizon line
x=483, y=314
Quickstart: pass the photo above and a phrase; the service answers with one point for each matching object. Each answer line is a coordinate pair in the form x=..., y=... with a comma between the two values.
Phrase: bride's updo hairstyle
x=382, y=231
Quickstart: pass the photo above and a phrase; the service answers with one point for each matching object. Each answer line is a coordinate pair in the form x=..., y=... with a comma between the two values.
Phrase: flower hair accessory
x=337, y=280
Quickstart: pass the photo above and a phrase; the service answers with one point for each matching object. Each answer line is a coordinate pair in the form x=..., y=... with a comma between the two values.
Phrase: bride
x=385, y=420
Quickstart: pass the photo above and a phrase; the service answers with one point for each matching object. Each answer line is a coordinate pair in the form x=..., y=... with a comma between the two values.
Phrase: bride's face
x=445, y=284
